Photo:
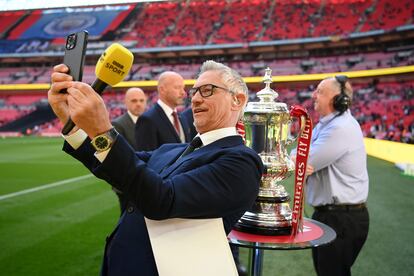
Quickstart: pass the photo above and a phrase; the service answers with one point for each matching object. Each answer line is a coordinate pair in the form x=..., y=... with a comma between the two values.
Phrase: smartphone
x=74, y=58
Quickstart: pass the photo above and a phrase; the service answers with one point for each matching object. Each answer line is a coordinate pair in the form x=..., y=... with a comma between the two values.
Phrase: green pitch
x=59, y=224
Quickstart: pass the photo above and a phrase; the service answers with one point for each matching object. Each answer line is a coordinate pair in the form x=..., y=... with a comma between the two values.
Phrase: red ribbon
x=302, y=154
x=240, y=130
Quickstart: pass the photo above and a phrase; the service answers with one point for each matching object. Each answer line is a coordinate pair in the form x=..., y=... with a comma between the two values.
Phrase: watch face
x=101, y=142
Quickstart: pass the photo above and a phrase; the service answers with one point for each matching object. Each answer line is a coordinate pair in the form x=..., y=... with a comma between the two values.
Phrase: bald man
x=135, y=102
x=162, y=124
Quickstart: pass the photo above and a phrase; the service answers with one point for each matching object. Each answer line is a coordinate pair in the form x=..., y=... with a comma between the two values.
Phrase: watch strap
x=105, y=140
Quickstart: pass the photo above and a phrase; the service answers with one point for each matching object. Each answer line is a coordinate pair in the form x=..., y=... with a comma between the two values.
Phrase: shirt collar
x=326, y=119
x=217, y=134
x=168, y=110
x=133, y=117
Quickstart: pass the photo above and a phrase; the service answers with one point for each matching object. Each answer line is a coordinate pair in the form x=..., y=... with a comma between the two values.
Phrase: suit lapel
x=130, y=124
x=166, y=124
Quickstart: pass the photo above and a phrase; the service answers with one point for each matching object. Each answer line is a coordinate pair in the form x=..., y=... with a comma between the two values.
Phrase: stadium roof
x=13, y=5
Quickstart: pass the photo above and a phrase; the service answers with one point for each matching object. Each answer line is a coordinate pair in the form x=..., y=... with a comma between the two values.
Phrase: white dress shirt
x=337, y=153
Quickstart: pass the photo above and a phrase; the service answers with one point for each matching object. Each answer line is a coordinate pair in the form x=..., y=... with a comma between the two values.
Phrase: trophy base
x=260, y=230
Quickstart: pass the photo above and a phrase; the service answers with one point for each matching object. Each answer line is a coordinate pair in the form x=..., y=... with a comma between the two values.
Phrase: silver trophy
x=267, y=127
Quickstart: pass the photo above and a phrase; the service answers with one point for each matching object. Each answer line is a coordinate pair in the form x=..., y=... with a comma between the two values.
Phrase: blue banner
x=54, y=25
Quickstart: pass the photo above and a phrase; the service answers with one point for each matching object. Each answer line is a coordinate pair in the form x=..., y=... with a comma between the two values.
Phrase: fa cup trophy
x=267, y=127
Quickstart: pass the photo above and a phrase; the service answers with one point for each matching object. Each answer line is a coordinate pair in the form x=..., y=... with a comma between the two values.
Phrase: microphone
x=112, y=67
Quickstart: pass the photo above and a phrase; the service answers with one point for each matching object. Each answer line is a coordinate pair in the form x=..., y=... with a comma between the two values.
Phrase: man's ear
x=239, y=100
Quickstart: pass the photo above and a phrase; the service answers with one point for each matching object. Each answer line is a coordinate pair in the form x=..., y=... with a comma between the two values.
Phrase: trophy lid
x=267, y=98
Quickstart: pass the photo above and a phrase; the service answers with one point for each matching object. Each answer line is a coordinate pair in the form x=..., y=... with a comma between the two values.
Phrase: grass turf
x=62, y=230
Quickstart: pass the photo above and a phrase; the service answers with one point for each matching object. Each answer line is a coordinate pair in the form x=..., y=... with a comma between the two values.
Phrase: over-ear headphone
x=342, y=101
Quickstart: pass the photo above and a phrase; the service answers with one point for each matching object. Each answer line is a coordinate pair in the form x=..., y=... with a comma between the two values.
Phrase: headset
x=342, y=101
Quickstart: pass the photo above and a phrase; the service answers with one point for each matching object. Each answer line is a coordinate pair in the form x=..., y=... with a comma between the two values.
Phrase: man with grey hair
x=215, y=176
x=235, y=85
x=337, y=186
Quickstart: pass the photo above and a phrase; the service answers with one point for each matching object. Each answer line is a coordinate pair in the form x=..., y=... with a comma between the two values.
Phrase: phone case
x=75, y=49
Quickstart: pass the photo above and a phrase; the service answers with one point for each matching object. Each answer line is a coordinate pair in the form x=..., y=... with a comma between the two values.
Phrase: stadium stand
x=241, y=22
x=211, y=22
x=149, y=27
x=196, y=23
x=383, y=106
x=312, y=65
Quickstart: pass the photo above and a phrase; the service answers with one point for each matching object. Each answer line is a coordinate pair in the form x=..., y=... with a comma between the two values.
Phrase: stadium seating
x=160, y=24
x=195, y=23
x=150, y=26
x=242, y=22
x=384, y=109
x=388, y=15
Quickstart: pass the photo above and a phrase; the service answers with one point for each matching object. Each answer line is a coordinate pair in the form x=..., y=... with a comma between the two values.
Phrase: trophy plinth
x=267, y=126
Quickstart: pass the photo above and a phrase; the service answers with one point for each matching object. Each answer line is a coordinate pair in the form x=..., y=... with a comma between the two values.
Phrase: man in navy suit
x=218, y=180
x=135, y=103
x=158, y=123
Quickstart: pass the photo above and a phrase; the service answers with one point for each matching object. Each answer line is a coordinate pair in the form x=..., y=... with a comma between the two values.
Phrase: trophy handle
x=291, y=139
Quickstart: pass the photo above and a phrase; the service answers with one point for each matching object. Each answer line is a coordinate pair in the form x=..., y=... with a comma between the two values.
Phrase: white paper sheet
x=188, y=247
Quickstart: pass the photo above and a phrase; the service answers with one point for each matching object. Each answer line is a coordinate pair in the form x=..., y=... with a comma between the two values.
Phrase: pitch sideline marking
x=43, y=187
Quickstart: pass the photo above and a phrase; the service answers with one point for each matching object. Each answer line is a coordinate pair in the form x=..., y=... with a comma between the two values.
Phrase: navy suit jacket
x=154, y=129
x=217, y=180
x=126, y=127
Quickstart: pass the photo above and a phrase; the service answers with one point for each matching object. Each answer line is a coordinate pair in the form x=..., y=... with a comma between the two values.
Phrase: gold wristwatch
x=104, y=141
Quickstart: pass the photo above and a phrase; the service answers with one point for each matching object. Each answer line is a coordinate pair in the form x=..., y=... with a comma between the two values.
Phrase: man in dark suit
x=219, y=180
x=161, y=123
x=135, y=103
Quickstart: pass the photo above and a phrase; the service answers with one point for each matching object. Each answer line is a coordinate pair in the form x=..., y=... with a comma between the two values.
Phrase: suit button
x=130, y=209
